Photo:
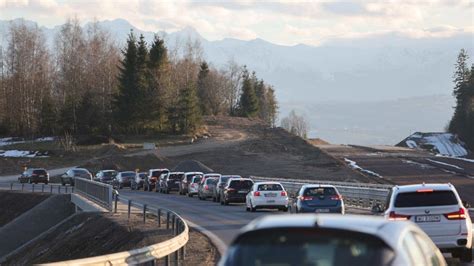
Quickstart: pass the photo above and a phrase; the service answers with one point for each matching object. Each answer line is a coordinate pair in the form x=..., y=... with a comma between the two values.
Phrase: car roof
x=193, y=173
x=232, y=179
x=176, y=173
x=414, y=188
x=267, y=183
x=317, y=186
x=33, y=169
x=376, y=226
x=210, y=174
x=231, y=176
x=77, y=168
x=126, y=172
x=105, y=171
x=159, y=169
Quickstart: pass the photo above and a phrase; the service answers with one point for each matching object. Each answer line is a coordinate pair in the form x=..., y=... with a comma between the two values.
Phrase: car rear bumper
x=235, y=198
x=207, y=194
x=269, y=202
x=451, y=242
x=322, y=209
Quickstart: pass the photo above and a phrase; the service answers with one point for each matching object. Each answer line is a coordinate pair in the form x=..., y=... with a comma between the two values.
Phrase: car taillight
x=459, y=215
x=230, y=190
x=283, y=194
x=305, y=198
x=336, y=197
x=398, y=217
x=206, y=187
x=256, y=193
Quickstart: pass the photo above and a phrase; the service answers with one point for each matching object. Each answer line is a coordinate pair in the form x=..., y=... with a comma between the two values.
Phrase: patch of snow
x=11, y=140
x=445, y=164
x=421, y=165
x=354, y=166
x=22, y=154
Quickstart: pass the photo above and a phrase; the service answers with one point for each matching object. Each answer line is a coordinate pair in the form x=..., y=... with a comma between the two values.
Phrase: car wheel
x=46, y=182
x=466, y=255
x=63, y=183
x=226, y=202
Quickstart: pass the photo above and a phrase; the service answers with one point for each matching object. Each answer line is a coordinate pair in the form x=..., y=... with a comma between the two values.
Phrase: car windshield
x=109, y=174
x=39, y=172
x=419, y=199
x=157, y=173
x=320, y=191
x=175, y=176
x=308, y=247
x=80, y=172
x=269, y=187
x=128, y=174
x=197, y=179
x=241, y=184
x=211, y=181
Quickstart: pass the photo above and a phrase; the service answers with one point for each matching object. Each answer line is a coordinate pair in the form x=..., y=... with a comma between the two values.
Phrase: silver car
x=206, y=189
x=331, y=239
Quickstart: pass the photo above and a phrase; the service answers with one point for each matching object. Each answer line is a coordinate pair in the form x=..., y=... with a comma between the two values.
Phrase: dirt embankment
x=14, y=204
x=94, y=234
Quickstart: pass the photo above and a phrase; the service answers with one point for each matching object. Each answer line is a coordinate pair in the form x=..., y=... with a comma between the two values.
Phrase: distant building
x=440, y=143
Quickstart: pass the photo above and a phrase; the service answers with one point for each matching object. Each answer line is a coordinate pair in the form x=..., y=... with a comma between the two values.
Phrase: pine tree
x=91, y=118
x=156, y=98
x=189, y=115
x=203, y=88
x=248, y=98
x=461, y=84
x=47, y=117
x=128, y=97
x=271, y=106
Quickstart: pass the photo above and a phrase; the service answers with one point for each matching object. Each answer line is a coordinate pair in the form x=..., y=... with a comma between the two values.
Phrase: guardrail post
x=167, y=260
x=72, y=189
x=167, y=220
x=176, y=258
x=144, y=213
x=173, y=222
x=33, y=188
x=42, y=188
x=59, y=189
x=129, y=208
x=22, y=186
x=51, y=189
x=66, y=189
x=11, y=186
x=159, y=217
x=116, y=201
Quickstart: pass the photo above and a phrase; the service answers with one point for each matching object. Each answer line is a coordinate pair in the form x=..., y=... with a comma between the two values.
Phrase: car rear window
x=211, y=181
x=190, y=177
x=157, y=173
x=39, y=172
x=224, y=179
x=301, y=246
x=241, y=184
x=128, y=174
x=419, y=199
x=175, y=176
x=81, y=172
x=269, y=187
x=320, y=191
x=197, y=179
x=109, y=174
x=142, y=176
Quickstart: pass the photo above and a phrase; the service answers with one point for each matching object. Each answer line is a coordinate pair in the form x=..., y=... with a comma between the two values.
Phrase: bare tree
x=296, y=124
x=232, y=87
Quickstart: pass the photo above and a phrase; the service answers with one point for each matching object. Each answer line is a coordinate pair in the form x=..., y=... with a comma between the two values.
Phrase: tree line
x=88, y=85
x=462, y=122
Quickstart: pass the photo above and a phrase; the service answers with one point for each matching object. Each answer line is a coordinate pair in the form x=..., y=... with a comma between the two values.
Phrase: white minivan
x=439, y=211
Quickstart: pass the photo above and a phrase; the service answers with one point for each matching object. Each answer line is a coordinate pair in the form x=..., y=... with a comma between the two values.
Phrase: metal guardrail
x=175, y=247
x=50, y=188
x=98, y=192
x=355, y=194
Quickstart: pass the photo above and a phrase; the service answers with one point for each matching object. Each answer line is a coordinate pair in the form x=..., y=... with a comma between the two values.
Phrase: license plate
x=270, y=201
x=270, y=195
x=428, y=218
x=41, y=176
x=243, y=191
x=177, y=182
x=322, y=210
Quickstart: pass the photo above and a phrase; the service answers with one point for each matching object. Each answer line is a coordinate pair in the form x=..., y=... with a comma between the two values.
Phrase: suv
x=319, y=198
x=235, y=190
x=329, y=239
x=106, y=176
x=170, y=182
x=34, y=175
x=438, y=210
x=184, y=185
x=138, y=181
x=206, y=189
x=124, y=179
x=220, y=184
x=153, y=178
x=70, y=176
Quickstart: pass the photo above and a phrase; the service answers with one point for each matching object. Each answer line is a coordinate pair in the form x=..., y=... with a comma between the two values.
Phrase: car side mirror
x=466, y=204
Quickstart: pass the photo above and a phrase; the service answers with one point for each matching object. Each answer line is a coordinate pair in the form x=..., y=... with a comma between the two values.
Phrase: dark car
x=106, y=176
x=70, y=176
x=236, y=190
x=153, y=177
x=186, y=181
x=220, y=185
x=319, y=199
x=34, y=175
x=124, y=179
x=170, y=182
x=138, y=181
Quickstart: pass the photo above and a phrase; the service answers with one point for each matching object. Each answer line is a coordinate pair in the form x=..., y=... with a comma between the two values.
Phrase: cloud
x=284, y=21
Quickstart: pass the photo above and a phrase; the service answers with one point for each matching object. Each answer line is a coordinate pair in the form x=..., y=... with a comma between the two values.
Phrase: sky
x=281, y=22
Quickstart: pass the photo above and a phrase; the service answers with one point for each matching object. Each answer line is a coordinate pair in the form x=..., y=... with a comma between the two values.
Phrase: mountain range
x=376, y=70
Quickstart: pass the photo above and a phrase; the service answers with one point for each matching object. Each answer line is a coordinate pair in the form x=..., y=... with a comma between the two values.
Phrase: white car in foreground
x=438, y=210
x=332, y=240
x=267, y=195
